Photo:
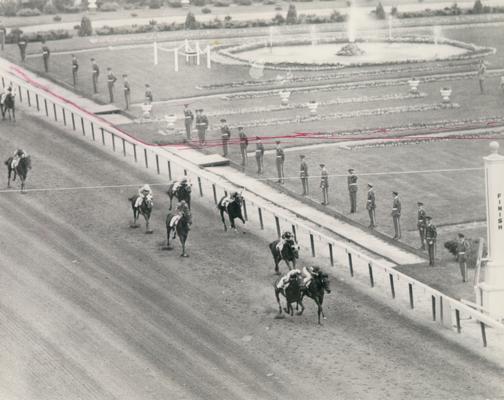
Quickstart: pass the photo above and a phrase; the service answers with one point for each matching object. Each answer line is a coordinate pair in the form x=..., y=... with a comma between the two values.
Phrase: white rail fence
x=428, y=302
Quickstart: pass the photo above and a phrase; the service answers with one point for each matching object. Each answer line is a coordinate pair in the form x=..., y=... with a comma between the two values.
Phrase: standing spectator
x=3, y=33
x=352, y=190
x=243, y=145
x=396, y=215
x=280, y=159
x=225, y=135
x=201, y=126
x=75, y=69
x=22, y=44
x=259, y=155
x=127, y=91
x=462, y=248
x=188, y=116
x=421, y=224
x=96, y=73
x=324, y=184
x=371, y=206
x=9, y=104
x=303, y=174
x=45, y=56
x=481, y=75
x=148, y=94
x=430, y=238
x=111, y=80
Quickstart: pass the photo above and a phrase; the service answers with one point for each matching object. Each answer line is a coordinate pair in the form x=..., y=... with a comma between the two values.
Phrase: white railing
x=427, y=301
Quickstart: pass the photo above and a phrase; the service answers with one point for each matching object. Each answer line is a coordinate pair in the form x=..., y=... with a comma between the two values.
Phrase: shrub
x=278, y=19
x=278, y=8
x=471, y=253
x=49, y=9
x=57, y=18
x=190, y=21
x=221, y=3
x=198, y=3
x=243, y=2
x=109, y=6
x=175, y=3
x=8, y=8
x=62, y=4
x=13, y=36
x=337, y=17
x=269, y=2
x=380, y=11
x=28, y=12
x=134, y=15
x=85, y=29
x=393, y=11
x=38, y=4
x=291, y=17
x=155, y=4
x=71, y=9
x=478, y=7
x=206, y=10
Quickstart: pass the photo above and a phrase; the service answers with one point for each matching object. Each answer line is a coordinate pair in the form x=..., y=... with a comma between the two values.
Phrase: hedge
x=28, y=12
x=58, y=34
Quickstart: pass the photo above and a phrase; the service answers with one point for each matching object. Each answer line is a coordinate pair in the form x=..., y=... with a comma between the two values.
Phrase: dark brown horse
x=182, y=228
x=289, y=253
x=144, y=209
x=315, y=290
x=183, y=192
x=233, y=209
x=292, y=294
x=21, y=170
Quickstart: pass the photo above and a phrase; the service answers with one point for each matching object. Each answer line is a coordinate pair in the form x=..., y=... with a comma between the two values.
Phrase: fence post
x=350, y=263
x=312, y=245
x=54, y=111
x=92, y=130
x=245, y=214
x=433, y=299
x=3, y=82
x=28, y=97
x=457, y=318
x=157, y=164
x=82, y=126
x=146, y=159
x=200, y=187
x=392, y=289
x=113, y=141
x=46, y=109
x=169, y=170
x=20, y=94
x=483, y=333
x=410, y=287
x=277, y=222
x=124, y=146
x=64, y=115
x=37, y=101
x=260, y=217
x=371, y=278
x=185, y=172
x=102, y=136
x=331, y=256
x=214, y=193
x=73, y=121
x=294, y=232
x=441, y=312
x=134, y=152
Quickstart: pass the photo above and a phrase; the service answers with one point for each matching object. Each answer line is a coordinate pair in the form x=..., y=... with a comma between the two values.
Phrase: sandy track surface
x=92, y=309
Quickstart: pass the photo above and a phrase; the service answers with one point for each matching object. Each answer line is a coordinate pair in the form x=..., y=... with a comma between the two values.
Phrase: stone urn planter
x=170, y=120
x=446, y=94
x=146, y=110
x=312, y=106
x=413, y=84
x=284, y=97
x=92, y=5
x=185, y=3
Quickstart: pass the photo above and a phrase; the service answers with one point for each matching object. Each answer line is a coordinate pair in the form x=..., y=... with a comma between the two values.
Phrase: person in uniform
x=3, y=34
x=188, y=119
x=111, y=80
x=421, y=224
x=148, y=93
x=45, y=56
x=201, y=125
x=75, y=69
x=324, y=184
x=243, y=145
x=481, y=75
x=22, y=44
x=96, y=73
x=225, y=135
x=396, y=215
x=127, y=91
x=352, y=190
x=430, y=238
x=259, y=155
x=462, y=248
x=371, y=206
x=280, y=159
x=303, y=174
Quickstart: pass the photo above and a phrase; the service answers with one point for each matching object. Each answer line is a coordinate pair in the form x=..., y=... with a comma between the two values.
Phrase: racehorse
x=315, y=290
x=233, y=209
x=289, y=253
x=144, y=209
x=181, y=229
x=9, y=107
x=183, y=192
x=21, y=170
x=292, y=294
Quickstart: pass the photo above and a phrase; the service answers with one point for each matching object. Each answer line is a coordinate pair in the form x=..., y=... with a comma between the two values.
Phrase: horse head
x=27, y=161
x=324, y=282
x=148, y=202
x=292, y=247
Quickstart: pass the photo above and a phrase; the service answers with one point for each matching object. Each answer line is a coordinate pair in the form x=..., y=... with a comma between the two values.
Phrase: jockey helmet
x=145, y=188
x=183, y=180
x=315, y=270
x=20, y=152
x=287, y=235
x=182, y=203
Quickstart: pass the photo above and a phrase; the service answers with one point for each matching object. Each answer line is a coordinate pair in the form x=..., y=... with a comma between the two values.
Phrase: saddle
x=174, y=220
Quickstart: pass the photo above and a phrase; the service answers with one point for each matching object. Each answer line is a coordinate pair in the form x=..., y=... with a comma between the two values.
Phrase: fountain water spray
x=271, y=38
x=351, y=23
x=313, y=35
x=390, y=27
x=436, y=31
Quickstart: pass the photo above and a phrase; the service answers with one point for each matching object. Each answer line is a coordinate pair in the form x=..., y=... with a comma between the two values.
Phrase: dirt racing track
x=92, y=309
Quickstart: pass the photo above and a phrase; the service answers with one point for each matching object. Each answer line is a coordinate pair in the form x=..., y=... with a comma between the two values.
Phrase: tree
x=190, y=21
x=380, y=11
x=86, y=29
x=478, y=7
x=291, y=17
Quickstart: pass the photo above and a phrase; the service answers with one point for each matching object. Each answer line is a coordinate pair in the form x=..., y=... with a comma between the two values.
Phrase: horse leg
x=22, y=186
x=232, y=223
x=223, y=219
x=147, y=230
x=278, y=301
x=288, y=265
x=182, y=242
x=300, y=303
x=277, y=260
x=9, y=177
x=171, y=200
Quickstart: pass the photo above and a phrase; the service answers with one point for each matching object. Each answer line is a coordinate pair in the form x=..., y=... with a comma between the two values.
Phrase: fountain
x=351, y=49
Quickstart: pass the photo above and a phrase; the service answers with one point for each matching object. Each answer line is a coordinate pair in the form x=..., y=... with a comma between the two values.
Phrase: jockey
x=18, y=155
x=283, y=239
x=309, y=273
x=181, y=209
x=181, y=182
x=290, y=276
x=229, y=198
x=143, y=193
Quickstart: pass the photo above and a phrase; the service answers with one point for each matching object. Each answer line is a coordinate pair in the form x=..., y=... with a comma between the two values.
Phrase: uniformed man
x=3, y=34
x=127, y=91
x=280, y=159
x=22, y=44
x=421, y=224
x=45, y=56
x=396, y=215
x=352, y=190
x=481, y=75
x=188, y=120
x=303, y=174
x=201, y=126
x=243, y=145
x=430, y=238
x=259, y=155
x=111, y=80
x=96, y=73
x=371, y=206
x=225, y=135
x=462, y=249
x=75, y=69
x=148, y=93
x=324, y=184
